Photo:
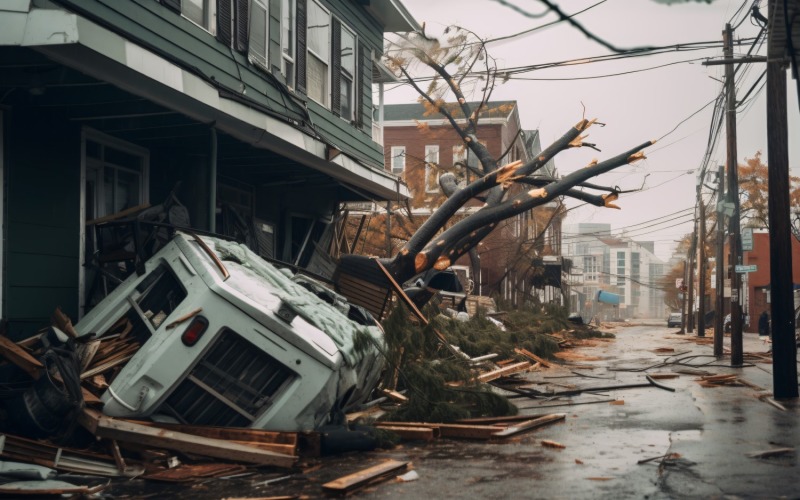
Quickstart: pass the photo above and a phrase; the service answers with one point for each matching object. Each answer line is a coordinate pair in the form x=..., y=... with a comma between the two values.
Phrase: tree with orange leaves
x=753, y=190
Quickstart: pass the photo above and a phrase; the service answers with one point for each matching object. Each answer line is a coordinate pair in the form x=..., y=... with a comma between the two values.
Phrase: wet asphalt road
x=711, y=431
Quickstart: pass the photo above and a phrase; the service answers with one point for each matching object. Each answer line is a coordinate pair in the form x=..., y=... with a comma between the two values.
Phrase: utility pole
x=784, y=350
x=701, y=264
x=737, y=349
x=690, y=272
x=683, y=301
x=719, y=314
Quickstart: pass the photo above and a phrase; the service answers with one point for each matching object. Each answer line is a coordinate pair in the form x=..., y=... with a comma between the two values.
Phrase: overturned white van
x=227, y=339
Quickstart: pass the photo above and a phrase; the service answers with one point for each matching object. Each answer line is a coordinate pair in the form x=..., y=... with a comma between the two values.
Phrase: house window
x=347, y=64
x=460, y=165
x=621, y=268
x=287, y=40
x=259, y=34
x=398, y=160
x=590, y=268
x=431, y=169
x=200, y=12
x=318, y=60
x=115, y=178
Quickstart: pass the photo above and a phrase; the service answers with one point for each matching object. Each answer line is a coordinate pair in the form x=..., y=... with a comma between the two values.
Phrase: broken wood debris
x=552, y=444
x=357, y=480
x=127, y=431
x=719, y=380
x=533, y=357
x=502, y=372
x=494, y=429
x=20, y=357
x=64, y=459
x=188, y=472
x=529, y=425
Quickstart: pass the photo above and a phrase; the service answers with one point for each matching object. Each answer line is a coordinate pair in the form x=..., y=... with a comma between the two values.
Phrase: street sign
x=747, y=239
x=746, y=269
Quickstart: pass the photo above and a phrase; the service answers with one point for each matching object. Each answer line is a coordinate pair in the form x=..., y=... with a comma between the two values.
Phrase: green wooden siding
x=43, y=199
x=159, y=29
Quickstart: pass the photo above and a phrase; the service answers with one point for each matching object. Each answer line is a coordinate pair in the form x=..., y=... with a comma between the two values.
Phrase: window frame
x=209, y=11
x=253, y=56
x=430, y=149
x=289, y=62
x=344, y=74
x=326, y=91
x=397, y=152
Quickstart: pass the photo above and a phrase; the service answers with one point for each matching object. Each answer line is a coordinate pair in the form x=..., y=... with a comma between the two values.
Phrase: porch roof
x=89, y=48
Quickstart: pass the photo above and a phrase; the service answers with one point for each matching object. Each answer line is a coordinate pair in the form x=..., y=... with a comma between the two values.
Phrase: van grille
x=231, y=385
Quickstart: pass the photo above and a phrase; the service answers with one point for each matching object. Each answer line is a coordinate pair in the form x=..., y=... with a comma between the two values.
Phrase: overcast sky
x=635, y=107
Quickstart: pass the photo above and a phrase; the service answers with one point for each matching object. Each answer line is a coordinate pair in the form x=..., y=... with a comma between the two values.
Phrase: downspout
x=212, y=184
x=380, y=110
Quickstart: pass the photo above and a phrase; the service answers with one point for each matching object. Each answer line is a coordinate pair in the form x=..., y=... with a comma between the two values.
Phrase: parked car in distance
x=674, y=320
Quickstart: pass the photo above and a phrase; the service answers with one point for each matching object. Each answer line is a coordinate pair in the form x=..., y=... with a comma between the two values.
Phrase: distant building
x=756, y=293
x=419, y=147
x=617, y=265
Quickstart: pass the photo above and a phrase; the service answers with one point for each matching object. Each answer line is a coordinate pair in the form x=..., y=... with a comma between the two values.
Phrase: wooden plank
x=20, y=357
x=450, y=430
x=63, y=323
x=62, y=459
x=118, y=215
x=126, y=431
x=394, y=395
x=351, y=482
x=496, y=420
x=530, y=425
x=187, y=472
x=105, y=366
x=232, y=433
x=502, y=372
x=408, y=433
x=533, y=357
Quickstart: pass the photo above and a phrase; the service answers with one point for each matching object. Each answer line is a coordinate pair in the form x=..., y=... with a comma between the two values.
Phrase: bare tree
x=459, y=67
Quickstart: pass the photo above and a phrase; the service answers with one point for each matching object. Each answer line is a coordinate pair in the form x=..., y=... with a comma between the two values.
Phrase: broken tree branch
x=438, y=253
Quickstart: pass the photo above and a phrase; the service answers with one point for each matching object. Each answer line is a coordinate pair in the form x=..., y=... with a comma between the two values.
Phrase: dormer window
x=201, y=12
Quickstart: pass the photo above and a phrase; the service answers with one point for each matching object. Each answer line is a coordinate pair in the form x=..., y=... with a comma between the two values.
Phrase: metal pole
x=683, y=302
x=719, y=314
x=737, y=352
x=784, y=350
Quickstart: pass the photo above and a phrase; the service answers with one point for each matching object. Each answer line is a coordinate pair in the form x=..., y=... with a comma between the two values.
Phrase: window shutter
x=300, y=58
x=257, y=53
x=363, y=64
x=241, y=27
x=336, y=67
x=173, y=5
x=274, y=51
x=224, y=19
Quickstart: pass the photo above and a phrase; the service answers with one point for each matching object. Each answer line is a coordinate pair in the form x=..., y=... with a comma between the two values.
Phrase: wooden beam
x=126, y=431
x=530, y=425
x=533, y=357
x=502, y=372
x=410, y=433
x=352, y=482
x=20, y=357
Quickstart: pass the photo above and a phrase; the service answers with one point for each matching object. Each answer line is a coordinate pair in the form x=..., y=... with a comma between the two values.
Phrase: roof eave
x=393, y=15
